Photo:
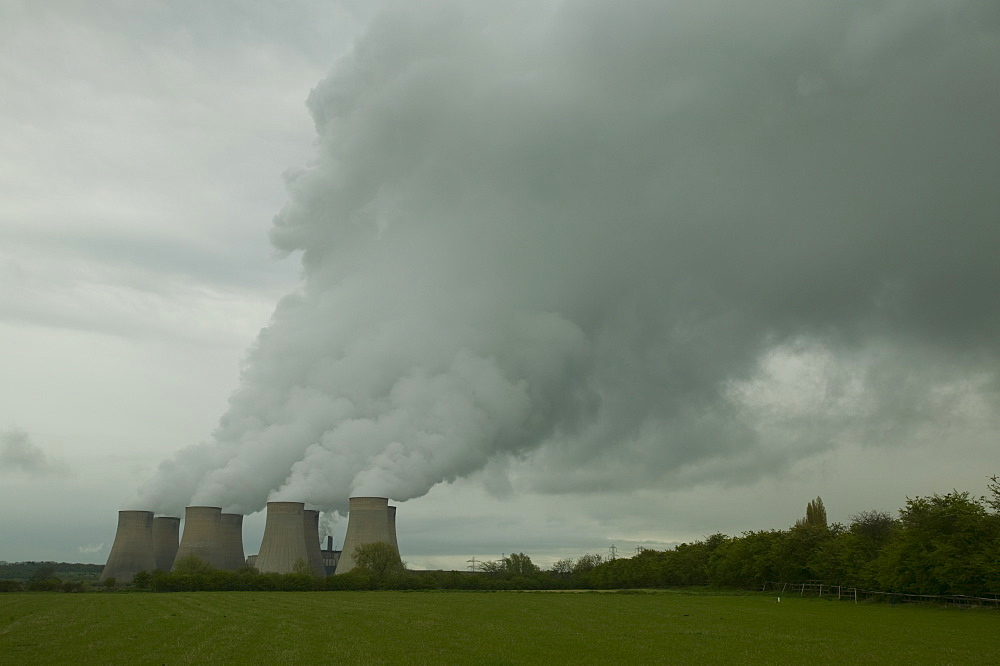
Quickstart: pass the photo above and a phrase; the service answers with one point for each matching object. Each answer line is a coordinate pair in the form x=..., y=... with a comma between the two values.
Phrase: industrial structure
x=283, y=545
x=132, y=550
x=231, y=555
x=166, y=533
x=311, y=528
x=392, y=528
x=290, y=543
x=368, y=520
x=330, y=556
x=201, y=536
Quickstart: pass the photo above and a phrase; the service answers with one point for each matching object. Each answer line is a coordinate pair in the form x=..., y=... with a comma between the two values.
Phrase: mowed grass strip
x=495, y=628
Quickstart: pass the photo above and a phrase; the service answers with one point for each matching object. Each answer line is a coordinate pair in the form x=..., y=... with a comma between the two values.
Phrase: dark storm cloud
x=586, y=234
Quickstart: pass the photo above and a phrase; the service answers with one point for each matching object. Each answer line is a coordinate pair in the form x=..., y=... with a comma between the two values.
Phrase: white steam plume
x=572, y=233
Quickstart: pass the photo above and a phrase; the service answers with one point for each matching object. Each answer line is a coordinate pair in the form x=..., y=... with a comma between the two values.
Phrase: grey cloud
x=583, y=235
x=19, y=454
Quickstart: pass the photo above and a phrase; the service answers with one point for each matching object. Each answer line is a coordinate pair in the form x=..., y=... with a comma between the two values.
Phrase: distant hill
x=64, y=571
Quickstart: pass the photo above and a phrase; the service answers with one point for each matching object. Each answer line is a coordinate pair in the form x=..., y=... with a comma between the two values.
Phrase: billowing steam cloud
x=584, y=235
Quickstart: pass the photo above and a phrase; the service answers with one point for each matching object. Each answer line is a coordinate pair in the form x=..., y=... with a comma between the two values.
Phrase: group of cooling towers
x=291, y=539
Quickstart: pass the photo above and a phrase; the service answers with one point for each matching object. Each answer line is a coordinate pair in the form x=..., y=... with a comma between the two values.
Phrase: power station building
x=290, y=543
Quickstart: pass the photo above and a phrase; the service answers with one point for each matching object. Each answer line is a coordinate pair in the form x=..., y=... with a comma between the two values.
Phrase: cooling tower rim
x=200, y=506
x=120, y=512
x=230, y=516
x=367, y=504
x=166, y=518
x=286, y=507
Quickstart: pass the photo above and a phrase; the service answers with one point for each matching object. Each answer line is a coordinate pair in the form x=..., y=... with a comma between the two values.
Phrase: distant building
x=330, y=556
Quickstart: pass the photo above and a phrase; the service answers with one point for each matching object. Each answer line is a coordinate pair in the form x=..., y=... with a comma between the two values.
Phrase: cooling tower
x=201, y=535
x=284, y=541
x=311, y=528
x=392, y=528
x=368, y=521
x=166, y=529
x=231, y=555
x=132, y=550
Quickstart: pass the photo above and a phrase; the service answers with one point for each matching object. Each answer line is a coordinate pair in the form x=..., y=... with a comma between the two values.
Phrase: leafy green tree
x=379, y=559
x=519, y=564
x=563, y=567
x=944, y=544
x=993, y=499
x=42, y=573
x=142, y=580
x=586, y=563
x=815, y=514
x=109, y=583
x=192, y=564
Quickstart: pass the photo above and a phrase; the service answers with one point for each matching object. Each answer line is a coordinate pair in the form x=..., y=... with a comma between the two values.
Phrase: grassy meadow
x=480, y=627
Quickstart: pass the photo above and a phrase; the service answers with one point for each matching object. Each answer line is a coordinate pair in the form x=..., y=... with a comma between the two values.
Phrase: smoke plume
x=600, y=245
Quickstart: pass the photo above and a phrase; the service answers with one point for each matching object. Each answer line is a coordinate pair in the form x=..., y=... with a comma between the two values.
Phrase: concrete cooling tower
x=311, y=528
x=284, y=541
x=392, y=528
x=132, y=550
x=368, y=521
x=166, y=530
x=201, y=535
x=231, y=555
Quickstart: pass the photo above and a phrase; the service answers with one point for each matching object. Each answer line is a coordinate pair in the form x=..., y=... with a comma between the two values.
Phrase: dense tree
x=586, y=562
x=192, y=564
x=379, y=559
x=993, y=499
x=563, y=567
x=519, y=564
x=815, y=514
x=945, y=544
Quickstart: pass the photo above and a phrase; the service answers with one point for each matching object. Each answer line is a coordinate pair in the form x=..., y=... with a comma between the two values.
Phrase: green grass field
x=477, y=627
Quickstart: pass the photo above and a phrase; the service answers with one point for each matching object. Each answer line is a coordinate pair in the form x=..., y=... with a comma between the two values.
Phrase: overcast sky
x=551, y=275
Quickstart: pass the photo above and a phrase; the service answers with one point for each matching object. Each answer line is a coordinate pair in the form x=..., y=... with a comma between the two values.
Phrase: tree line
x=944, y=544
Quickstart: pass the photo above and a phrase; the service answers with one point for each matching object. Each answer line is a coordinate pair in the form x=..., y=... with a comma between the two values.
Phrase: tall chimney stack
x=132, y=550
x=166, y=530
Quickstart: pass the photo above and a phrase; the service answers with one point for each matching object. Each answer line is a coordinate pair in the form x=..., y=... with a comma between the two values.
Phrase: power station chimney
x=284, y=543
x=132, y=550
x=310, y=526
x=367, y=522
x=166, y=530
x=201, y=535
x=231, y=555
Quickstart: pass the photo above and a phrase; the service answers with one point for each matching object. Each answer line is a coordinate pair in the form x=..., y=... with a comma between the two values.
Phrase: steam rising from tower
x=524, y=246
